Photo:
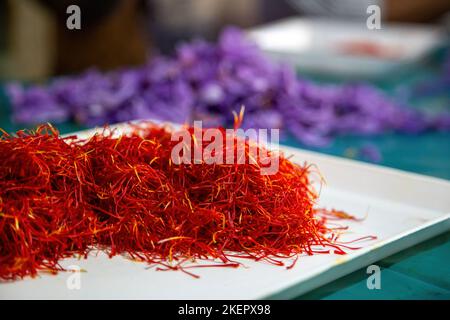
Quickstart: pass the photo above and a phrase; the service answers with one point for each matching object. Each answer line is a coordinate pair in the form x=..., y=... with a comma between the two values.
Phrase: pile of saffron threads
x=64, y=196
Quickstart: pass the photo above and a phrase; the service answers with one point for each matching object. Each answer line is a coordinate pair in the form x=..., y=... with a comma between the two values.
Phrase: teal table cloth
x=420, y=272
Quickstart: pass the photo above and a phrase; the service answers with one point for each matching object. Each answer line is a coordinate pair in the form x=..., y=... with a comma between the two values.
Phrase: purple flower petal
x=207, y=81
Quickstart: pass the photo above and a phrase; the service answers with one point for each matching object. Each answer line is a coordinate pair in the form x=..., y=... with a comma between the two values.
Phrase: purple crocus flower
x=207, y=81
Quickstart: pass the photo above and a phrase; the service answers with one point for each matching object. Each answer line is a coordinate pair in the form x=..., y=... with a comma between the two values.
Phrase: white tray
x=315, y=44
x=403, y=209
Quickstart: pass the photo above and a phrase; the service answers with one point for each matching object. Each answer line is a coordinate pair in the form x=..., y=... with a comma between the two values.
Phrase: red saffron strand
x=61, y=197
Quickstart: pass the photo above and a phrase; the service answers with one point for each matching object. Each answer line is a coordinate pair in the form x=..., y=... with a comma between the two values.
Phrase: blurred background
x=352, y=77
x=349, y=89
x=351, y=81
x=35, y=44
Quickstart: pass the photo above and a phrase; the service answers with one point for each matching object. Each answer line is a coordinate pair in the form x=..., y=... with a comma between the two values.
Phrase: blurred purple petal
x=207, y=81
x=370, y=153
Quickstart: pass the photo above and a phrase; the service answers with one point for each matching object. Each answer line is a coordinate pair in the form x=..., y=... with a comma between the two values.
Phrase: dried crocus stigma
x=61, y=197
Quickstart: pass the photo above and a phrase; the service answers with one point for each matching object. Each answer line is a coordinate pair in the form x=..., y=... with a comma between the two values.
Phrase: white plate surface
x=402, y=209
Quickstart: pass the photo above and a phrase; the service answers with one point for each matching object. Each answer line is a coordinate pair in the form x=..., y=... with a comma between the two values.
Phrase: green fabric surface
x=420, y=272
